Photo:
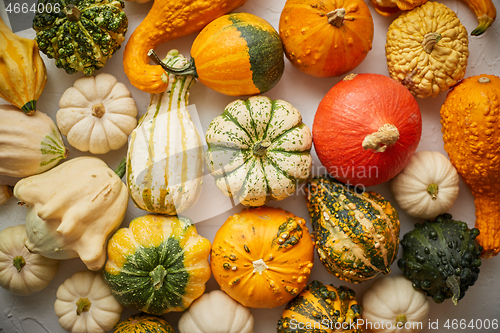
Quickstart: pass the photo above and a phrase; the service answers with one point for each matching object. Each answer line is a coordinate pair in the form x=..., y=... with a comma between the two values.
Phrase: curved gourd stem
x=386, y=135
x=430, y=39
x=336, y=17
x=188, y=69
x=488, y=223
x=121, y=168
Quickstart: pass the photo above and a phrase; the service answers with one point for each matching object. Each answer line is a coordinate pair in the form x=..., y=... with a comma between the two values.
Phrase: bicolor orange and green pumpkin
x=236, y=54
x=322, y=308
x=22, y=71
x=158, y=264
x=356, y=233
x=143, y=323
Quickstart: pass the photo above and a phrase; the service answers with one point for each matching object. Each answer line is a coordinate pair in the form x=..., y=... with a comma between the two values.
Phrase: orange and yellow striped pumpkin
x=22, y=71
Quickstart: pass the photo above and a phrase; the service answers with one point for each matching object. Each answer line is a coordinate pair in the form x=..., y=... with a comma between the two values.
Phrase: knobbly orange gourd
x=326, y=39
x=167, y=20
x=22, y=71
x=262, y=257
x=470, y=124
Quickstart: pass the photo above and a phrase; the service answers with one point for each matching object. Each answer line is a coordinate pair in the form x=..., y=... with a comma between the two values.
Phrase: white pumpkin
x=258, y=150
x=97, y=114
x=5, y=193
x=427, y=186
x=216, y=312
x=393, y=300
x=85, y=305
x=165, y=154
x=21, y=271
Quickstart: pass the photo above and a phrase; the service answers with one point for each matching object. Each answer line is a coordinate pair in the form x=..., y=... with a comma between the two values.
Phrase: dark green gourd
x=81, y=35
x=441, y=257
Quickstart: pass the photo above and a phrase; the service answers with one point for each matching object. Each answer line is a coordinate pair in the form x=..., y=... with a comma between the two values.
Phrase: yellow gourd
x=470, y=119
x=22, y=71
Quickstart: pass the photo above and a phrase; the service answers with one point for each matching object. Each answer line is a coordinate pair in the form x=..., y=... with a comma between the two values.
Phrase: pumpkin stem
x=453, y=282
x=19, y=263
x=260, y=148
x=158, y=275
x=401, y=321
x=72, y=12
x=82, y=305
x=431, y=39
x=386, y=135
x=259, y=266
x=121, y=168
x=336, y=17
x=433, y=190
x=483, y=80
x=98, y=110
x=187, y=69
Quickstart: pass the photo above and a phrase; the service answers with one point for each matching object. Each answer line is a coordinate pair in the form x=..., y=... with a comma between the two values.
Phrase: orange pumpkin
x=262, y=257
x=326, y=38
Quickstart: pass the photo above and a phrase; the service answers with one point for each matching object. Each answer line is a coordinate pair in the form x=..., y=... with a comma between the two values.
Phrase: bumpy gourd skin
x=470, y=125
x=83, y=35
x=427, y=49
x=441, y=257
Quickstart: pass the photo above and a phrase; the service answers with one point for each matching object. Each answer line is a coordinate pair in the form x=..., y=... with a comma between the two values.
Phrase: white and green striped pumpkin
x=258, y=150
x=165, y=155
x=356, y=233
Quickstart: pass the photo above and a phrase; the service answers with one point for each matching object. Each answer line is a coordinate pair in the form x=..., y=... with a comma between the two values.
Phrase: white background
x=35, y=313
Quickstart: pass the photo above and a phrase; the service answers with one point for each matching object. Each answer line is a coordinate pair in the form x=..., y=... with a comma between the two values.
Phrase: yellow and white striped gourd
x=165, y=155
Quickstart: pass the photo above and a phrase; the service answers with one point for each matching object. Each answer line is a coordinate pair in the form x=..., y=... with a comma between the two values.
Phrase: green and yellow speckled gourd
x=143, y=323
x=322, y=308
x=158, y=264
x=165, y=154
x=356, y=234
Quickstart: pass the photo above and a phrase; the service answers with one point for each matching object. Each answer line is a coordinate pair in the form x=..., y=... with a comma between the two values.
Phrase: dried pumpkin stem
x=98, y=110
x=187, y=69
x=430, y=39
x=72, y=12
x=336, y=17
x=483, y=80
x=157, y=276
x=82, y=305
x=433, y=190
x=386, y=135
x=260, y=148
x=259, y=266
x=453, y=282
x=19, y=263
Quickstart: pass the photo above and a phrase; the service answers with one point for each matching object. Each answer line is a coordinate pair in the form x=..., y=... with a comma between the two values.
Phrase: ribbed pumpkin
x=366, y=129
x=165, y=155
x=236, y=54
x=258, y=150
x=326, y=38
x=22, y=71
x=143, y=323
x=262, y=256
x=158, y=264
x=322, y=308
x=470, y=122
x=356, y=234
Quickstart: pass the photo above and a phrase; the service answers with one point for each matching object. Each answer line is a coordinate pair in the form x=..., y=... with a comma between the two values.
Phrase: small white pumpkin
x=394, y=301
x=5, y=193
x=85, y=305
x=23, y=272
x=427, y=186
x=216, y=312
x=97, y=114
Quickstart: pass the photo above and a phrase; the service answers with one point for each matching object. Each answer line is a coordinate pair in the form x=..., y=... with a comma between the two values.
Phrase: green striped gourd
x=165, y=155
x=143, y=323
x=28, y=146
x=258, y=150
x=356, y=234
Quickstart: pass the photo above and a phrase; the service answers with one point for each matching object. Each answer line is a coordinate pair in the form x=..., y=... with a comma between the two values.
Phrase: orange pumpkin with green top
x=262, y=257
x=158, y=264
x=236, y=54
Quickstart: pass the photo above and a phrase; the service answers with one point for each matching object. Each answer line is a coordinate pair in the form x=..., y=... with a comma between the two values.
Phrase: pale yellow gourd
x=216, y=312
x=73, y=209
x=97, y=114
x=427, y=49
x=22, y=272
x=85, y=304
x=28, y=145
